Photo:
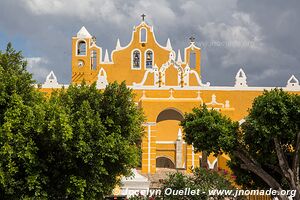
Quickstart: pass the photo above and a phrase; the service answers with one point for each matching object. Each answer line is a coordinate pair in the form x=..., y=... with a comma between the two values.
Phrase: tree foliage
x=202, y=179
x=74, y=145
x=264, y=150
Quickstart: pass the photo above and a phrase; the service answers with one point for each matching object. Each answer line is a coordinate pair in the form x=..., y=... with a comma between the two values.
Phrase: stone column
x=179, y=150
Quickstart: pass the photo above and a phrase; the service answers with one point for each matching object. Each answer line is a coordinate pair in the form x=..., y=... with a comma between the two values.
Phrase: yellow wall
x=170, y=84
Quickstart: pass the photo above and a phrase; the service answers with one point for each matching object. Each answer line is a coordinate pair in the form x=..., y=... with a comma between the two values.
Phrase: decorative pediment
x=215, y=104
x=241, y=79
x=293, y=83
x=83, y=33
x=102, y=79
x=51, y=81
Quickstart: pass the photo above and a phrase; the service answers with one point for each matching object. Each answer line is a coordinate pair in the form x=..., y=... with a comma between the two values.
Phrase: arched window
x=192, y=63
x=149, y=59
x=81, y=48
x=143, y=35
x=136, y=59
x=93, y=60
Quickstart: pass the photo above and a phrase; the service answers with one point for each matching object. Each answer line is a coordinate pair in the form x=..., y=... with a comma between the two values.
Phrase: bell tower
x=85, y=57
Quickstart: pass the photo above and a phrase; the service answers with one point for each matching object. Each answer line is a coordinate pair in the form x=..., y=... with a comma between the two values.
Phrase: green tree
x=103, y=144
x=266, y=146
x=75, y=144
x=202, y=179
x=14, y=79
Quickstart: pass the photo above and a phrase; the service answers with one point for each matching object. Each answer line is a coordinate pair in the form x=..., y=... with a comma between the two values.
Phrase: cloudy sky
x=261, y=36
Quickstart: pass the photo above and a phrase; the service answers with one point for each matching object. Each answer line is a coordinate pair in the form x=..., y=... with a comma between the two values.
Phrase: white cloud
x=271, y=34
x=88, y=10
x=38, y=67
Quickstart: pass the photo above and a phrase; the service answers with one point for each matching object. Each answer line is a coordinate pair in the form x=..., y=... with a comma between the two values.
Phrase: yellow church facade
x=167, y=83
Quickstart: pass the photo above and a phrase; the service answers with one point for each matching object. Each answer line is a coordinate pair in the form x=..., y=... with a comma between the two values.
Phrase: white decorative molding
x=241, y=121
x=171, y=91
x=215, y=103
x=106, y=57
x=102, y=79
x=118, y=45
x=83, y=33
x=179, y=135
x=179, y=59
x=168, y=142
x=212, y=165
x=227, y=104
x=210, y=88
x=293, y=83
x=169, y=46
x=241, y=79
x=207, y=84
x=172, y=98
x=51, y=81
x=154, y=70
x=166, y=65
x=156, y=75
x=146, y=36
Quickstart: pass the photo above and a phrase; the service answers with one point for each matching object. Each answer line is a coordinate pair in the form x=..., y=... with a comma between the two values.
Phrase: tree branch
x=286, y=170
x=257, y=169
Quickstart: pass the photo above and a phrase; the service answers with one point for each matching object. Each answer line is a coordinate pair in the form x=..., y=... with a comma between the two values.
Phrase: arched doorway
x=164, y=162
x=169, y=114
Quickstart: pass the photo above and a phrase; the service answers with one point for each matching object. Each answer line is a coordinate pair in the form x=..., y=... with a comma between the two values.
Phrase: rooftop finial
x=192, y=39
x=143, y=17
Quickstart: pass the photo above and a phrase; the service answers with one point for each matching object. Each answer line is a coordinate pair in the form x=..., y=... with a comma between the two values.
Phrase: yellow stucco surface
x=166, y=86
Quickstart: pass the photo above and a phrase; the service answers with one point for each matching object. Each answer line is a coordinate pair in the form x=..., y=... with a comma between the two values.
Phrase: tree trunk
x=251, y=165
x=288, y=173
x=204, y=163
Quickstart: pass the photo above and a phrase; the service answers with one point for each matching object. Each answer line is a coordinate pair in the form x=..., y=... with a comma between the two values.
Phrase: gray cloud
x=260, y=36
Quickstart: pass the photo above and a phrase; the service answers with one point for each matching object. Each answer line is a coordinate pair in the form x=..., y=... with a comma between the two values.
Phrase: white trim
x=118, y=45
x=145, y=59
x=91, y=59
x=106, y=57
x=167, y=142
x=192, y=47
x=102, y=79
x=83, y=33
x=293, y=83
x=240, y=79
x=133, y=50
x=179, y=59
x=168, y=45
x=214, y=102
x=149, y=123
x=140, y=35
x=86, y=47
x=197, y=77
x=51, y=81
x=241, y=121
x=193, y=157
x=149, y=148
x=209, y=88
x=211, y=165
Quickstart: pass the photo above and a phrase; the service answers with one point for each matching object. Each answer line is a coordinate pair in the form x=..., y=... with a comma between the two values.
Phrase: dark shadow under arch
x=169, y=114
x=164, y=162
